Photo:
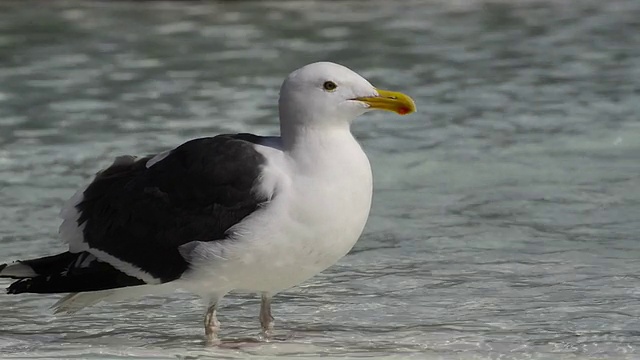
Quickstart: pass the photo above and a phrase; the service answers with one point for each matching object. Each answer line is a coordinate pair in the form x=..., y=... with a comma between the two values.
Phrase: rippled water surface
x=506, y=217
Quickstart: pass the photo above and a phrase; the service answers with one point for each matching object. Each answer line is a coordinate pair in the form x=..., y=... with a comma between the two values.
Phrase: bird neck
x=314, y=145
x=299, y=137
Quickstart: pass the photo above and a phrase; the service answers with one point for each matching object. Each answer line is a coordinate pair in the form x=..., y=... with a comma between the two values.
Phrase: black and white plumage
x=141, y=210
x=226, y=213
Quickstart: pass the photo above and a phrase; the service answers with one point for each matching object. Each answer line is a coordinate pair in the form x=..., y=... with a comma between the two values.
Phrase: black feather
x=141, y=215
x=69, y=272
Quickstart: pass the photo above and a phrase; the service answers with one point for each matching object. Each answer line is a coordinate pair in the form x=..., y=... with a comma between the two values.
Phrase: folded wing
x=129, y=223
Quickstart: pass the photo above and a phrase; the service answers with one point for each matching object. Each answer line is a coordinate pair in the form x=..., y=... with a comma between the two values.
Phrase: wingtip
x=16, y=270
x=19, y=286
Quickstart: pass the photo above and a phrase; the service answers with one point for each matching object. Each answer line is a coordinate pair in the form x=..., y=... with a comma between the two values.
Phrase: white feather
x=124, y=266
x=18, y=270
x=70, y=232
x=75, y=302
x=154, y=160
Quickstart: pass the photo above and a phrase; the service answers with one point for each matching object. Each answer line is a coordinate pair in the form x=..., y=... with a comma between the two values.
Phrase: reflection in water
x=506, y=212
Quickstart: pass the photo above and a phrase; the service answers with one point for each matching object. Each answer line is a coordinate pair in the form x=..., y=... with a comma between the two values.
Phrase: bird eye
x=329, y=85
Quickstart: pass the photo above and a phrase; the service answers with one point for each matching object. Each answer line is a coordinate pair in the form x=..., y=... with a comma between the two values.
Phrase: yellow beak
x=390, y=101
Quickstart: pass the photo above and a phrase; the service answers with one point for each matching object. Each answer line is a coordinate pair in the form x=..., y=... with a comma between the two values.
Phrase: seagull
x=229, y=213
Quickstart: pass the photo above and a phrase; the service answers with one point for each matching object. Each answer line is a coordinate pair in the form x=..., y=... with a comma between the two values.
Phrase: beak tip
x=408, y=109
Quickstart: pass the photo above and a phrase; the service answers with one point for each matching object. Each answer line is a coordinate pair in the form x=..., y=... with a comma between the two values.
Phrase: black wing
x=197, y=192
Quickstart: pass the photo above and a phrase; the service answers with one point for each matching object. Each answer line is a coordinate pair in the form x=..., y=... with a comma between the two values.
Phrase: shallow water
x=506, y=213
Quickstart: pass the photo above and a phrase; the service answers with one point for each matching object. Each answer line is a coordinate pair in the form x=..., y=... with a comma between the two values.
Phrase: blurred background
x=506, y=216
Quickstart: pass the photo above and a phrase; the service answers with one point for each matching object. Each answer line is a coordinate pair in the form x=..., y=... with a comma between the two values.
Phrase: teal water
x=506, y=217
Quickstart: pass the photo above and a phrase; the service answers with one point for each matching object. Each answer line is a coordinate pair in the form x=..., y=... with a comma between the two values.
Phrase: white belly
x=315, y=218
x=318, y=230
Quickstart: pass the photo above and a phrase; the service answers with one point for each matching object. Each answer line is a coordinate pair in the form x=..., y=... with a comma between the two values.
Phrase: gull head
x=326, y=94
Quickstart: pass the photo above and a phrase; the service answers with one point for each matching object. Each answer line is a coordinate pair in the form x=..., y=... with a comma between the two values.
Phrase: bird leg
x=211, y=323
x=266, y=320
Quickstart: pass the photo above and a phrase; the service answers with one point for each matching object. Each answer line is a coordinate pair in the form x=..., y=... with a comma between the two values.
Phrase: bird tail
x=75, y=302
x=64, y=273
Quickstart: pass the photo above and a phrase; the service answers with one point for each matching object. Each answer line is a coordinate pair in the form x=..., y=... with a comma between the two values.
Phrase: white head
x=325, y=93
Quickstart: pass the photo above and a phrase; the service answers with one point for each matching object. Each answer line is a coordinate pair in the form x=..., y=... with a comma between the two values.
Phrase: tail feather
x=72, y=303
x=75, y=302
x=63, y=273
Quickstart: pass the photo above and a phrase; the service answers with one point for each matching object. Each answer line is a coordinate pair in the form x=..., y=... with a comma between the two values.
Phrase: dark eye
x=329, y=85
